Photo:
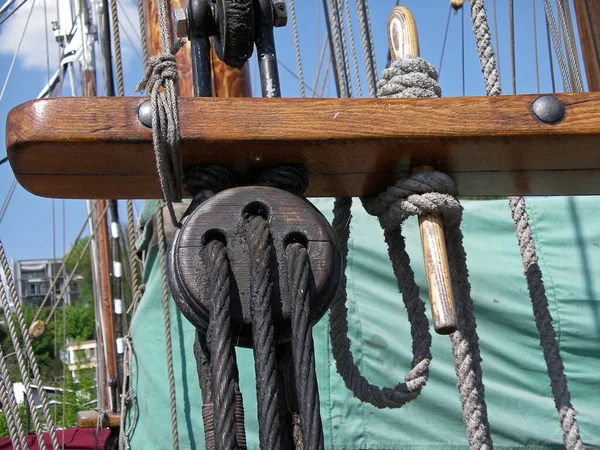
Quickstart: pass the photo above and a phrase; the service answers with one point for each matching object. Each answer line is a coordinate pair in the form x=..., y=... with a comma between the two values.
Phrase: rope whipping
x=307, y=392
x=167, y=322
x=26, y=359
x=533, y=274
x=161, y=72
x=268, y=390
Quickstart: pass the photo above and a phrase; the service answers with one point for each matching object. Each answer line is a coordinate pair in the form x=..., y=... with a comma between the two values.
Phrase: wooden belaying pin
x=404, y=41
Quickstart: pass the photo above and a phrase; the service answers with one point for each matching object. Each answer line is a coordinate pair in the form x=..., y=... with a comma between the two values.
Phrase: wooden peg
x=404, y=41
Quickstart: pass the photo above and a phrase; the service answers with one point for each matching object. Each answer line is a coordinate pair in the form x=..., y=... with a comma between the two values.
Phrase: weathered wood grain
x=97, y=148
x=588, y=24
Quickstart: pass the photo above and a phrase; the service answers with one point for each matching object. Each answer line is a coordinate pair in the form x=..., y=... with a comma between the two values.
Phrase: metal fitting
x=145, y=113
x=548, y=109
x=279, y=13
x=181, y=22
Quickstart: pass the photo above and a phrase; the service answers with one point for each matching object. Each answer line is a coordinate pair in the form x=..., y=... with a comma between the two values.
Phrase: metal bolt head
x=181, y=22
x=279, y=13
x=145, y=113
x=548, y=109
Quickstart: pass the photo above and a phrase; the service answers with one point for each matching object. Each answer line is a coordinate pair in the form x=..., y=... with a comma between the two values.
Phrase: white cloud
x=32, y=55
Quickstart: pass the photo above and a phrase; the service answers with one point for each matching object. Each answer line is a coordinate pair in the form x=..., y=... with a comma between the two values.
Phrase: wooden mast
x=588, y=22
x=227, y=81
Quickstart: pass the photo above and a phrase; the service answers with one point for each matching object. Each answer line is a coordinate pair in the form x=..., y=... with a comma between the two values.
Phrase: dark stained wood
x=350, y=146
x=588, y=23
x=291, y=220
x=89, y=419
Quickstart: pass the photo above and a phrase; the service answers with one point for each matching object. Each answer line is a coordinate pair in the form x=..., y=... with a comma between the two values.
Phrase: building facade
x=34, y=278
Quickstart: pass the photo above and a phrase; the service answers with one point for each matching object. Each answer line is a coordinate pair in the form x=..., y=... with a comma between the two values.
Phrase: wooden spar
x=227, y=81
x=102, y=263
x=588, y=23
x=351, y=147
x=404, y=41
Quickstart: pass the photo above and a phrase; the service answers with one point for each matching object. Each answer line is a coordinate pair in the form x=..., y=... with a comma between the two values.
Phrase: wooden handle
x=402, y=34
x=404, y=41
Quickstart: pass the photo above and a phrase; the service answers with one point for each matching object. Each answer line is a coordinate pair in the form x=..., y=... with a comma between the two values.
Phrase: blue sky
x=27, y=229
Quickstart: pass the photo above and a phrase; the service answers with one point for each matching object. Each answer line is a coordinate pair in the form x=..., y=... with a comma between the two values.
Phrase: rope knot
x=421, y=193
x=410, y=77
x=159, y=70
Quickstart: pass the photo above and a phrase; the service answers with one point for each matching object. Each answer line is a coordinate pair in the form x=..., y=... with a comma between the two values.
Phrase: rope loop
x=410, y=77
x=421, y=193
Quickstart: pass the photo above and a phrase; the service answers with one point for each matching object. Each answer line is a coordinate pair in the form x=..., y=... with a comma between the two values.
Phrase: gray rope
x=142, y=19
x=338, y=55
x=127, y=396
x=292, y=6
x=537, y=293
x=566, y=21
x=558, y=48
x=114, y=15
x=162, y=72
x=10, y=405
x=367, y=45
x=166, y=316
x=543, y=321
x=22, y=363
x=432, y=193
x=346, y=7
x=485, y=50
x=417, y=377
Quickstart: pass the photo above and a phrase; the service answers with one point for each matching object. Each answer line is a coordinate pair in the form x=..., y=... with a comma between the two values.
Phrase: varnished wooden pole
x=588, y=23
x=227, y=81
x=404, y=41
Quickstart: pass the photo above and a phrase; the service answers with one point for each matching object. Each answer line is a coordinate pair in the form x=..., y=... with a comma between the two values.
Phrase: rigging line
x=326, y=76
x=569, y=35
x=344, y=47
x=535, y=46
x=16, y=8
x=463, y=50
x=550, y=59
x=443, y=45
x=557, y=43
x=62, y=267
x=352, y=47
x=3, y=160
x=296, y=38
x=332, y=47
x=47, y=43
x=63, y=293
x=320, y=66
x=496, y=33
x=117, y=47
x=12, y=64
x=368, y=46
x=9, y=195
x=292, y=73
x=513, y=67
x=128, y=19
x=134, y=46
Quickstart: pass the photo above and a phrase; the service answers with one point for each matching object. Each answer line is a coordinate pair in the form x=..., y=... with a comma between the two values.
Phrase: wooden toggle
x=404, y=41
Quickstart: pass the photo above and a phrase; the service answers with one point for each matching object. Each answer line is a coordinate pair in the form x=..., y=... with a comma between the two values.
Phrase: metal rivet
x=145, y=113
x=548, y=109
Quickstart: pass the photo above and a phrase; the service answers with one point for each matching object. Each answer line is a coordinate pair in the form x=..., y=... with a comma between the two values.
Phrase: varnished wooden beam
x=588, y=23
x=97, y=148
